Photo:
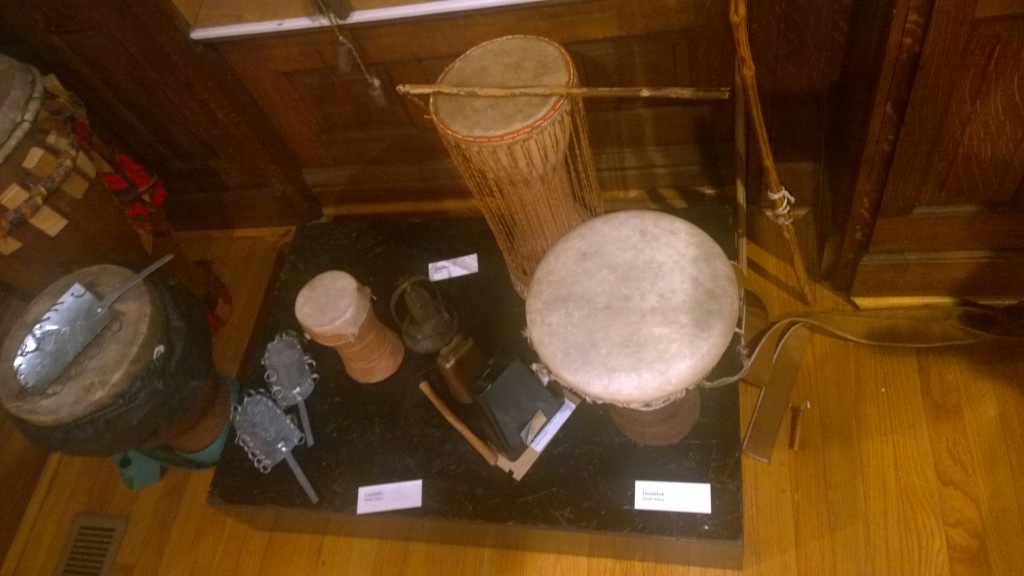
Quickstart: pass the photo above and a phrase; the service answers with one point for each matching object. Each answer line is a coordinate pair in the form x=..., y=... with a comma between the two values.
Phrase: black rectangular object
x=509, y=394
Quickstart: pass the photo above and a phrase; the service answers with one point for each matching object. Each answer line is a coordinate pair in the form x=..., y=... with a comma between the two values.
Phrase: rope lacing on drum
x=781, y=215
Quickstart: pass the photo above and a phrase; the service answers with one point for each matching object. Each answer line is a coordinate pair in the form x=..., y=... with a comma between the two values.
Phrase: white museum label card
x=673, y=496
x=453, y=268
x=393, y=496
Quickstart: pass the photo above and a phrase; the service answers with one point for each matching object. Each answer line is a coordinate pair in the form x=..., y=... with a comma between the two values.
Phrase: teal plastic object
x=142, y=468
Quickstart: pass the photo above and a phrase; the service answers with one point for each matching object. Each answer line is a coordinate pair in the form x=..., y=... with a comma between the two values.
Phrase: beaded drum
x=55, y=214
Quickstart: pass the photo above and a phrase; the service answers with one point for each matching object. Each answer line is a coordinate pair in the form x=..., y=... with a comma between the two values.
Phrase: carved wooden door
x=951, y=220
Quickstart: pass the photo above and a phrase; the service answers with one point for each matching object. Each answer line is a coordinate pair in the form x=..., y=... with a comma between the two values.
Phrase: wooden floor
x=910, y=463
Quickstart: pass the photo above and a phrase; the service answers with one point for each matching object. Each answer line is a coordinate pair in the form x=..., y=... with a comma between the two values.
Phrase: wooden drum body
x=525, y=159
x=72, y=220
x=145, y=380
x=334, y=310
x=633, y=309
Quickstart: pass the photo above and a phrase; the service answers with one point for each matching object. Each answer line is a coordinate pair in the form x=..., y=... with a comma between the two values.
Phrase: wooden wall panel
x=965, y=124
x=951, y=217
x=269, y=116
x=995, y=275
x=885, y=43
x=355, y=155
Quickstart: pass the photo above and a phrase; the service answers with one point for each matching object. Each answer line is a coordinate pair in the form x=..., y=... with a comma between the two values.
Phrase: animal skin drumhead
x=106, y=367
x=503, y=62
x=632, y=308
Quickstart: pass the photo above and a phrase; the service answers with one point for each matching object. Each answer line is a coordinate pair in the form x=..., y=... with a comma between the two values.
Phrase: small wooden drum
x=525, y=159
x=334, y=310
x=72, y=220
x=633, y=309
x=145, y=380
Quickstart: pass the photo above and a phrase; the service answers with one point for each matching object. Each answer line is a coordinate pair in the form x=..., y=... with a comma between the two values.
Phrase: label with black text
x=673, y=496
x=453, y=268
x=393, y=496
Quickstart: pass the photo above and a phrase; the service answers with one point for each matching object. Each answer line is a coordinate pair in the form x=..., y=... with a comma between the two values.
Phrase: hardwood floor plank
x=80, y=485
x=21, y=466
x=877, y=459
x=768, y=501
x=240, y=546
x=845, y=501
x=151, y=514
x=812, y=529
x=293, y=553
x=346, y=555
x=1002, y=363
x=957, y=467
x=194, y=529
x=986, y=476
x=22, y=539
x=914, y=495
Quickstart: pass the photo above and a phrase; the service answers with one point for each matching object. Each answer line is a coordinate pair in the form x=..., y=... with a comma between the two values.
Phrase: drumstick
x=452, y=419
x=583, y=91
x=738, y=20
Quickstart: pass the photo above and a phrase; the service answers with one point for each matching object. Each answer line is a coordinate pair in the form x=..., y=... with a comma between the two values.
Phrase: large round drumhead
x=332, y=305
x=510, y=61
x=105, y=368
x=632, y=308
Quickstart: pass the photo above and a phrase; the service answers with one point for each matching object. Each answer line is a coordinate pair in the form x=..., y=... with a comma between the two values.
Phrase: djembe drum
x=55, y=214
x=525, y=159
x=146, y=380
x=334, y=310
x=633, y=309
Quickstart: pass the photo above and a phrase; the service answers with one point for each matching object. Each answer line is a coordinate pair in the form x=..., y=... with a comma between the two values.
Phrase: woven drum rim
x=505, y=137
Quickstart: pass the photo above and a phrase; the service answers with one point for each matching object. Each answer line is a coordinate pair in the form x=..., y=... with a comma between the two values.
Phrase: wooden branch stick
x=738, y=20
x=454, y=420
x=586, y=92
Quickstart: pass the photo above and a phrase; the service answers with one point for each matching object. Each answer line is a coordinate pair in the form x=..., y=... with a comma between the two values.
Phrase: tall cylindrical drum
x=633, y=309
x=334, y=310
x=526, y=160
x=146, y=379
x=55, y=214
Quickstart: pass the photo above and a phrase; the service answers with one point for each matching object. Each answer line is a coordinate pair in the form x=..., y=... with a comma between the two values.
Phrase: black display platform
x=576, y=499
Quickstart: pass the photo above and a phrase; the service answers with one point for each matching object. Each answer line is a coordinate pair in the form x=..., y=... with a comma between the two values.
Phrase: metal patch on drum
x=66, y=329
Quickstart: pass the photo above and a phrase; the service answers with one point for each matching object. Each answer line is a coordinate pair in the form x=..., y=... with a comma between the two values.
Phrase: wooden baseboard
x=980, y=276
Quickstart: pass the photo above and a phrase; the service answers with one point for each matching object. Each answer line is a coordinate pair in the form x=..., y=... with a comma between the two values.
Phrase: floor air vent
x=92, y=546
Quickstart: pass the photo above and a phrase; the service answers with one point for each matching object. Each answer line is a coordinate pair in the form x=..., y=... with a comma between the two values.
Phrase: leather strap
x=780, y=349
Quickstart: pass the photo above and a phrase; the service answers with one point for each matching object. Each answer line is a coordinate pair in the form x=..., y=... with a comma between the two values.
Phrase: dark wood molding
x=863, y=149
